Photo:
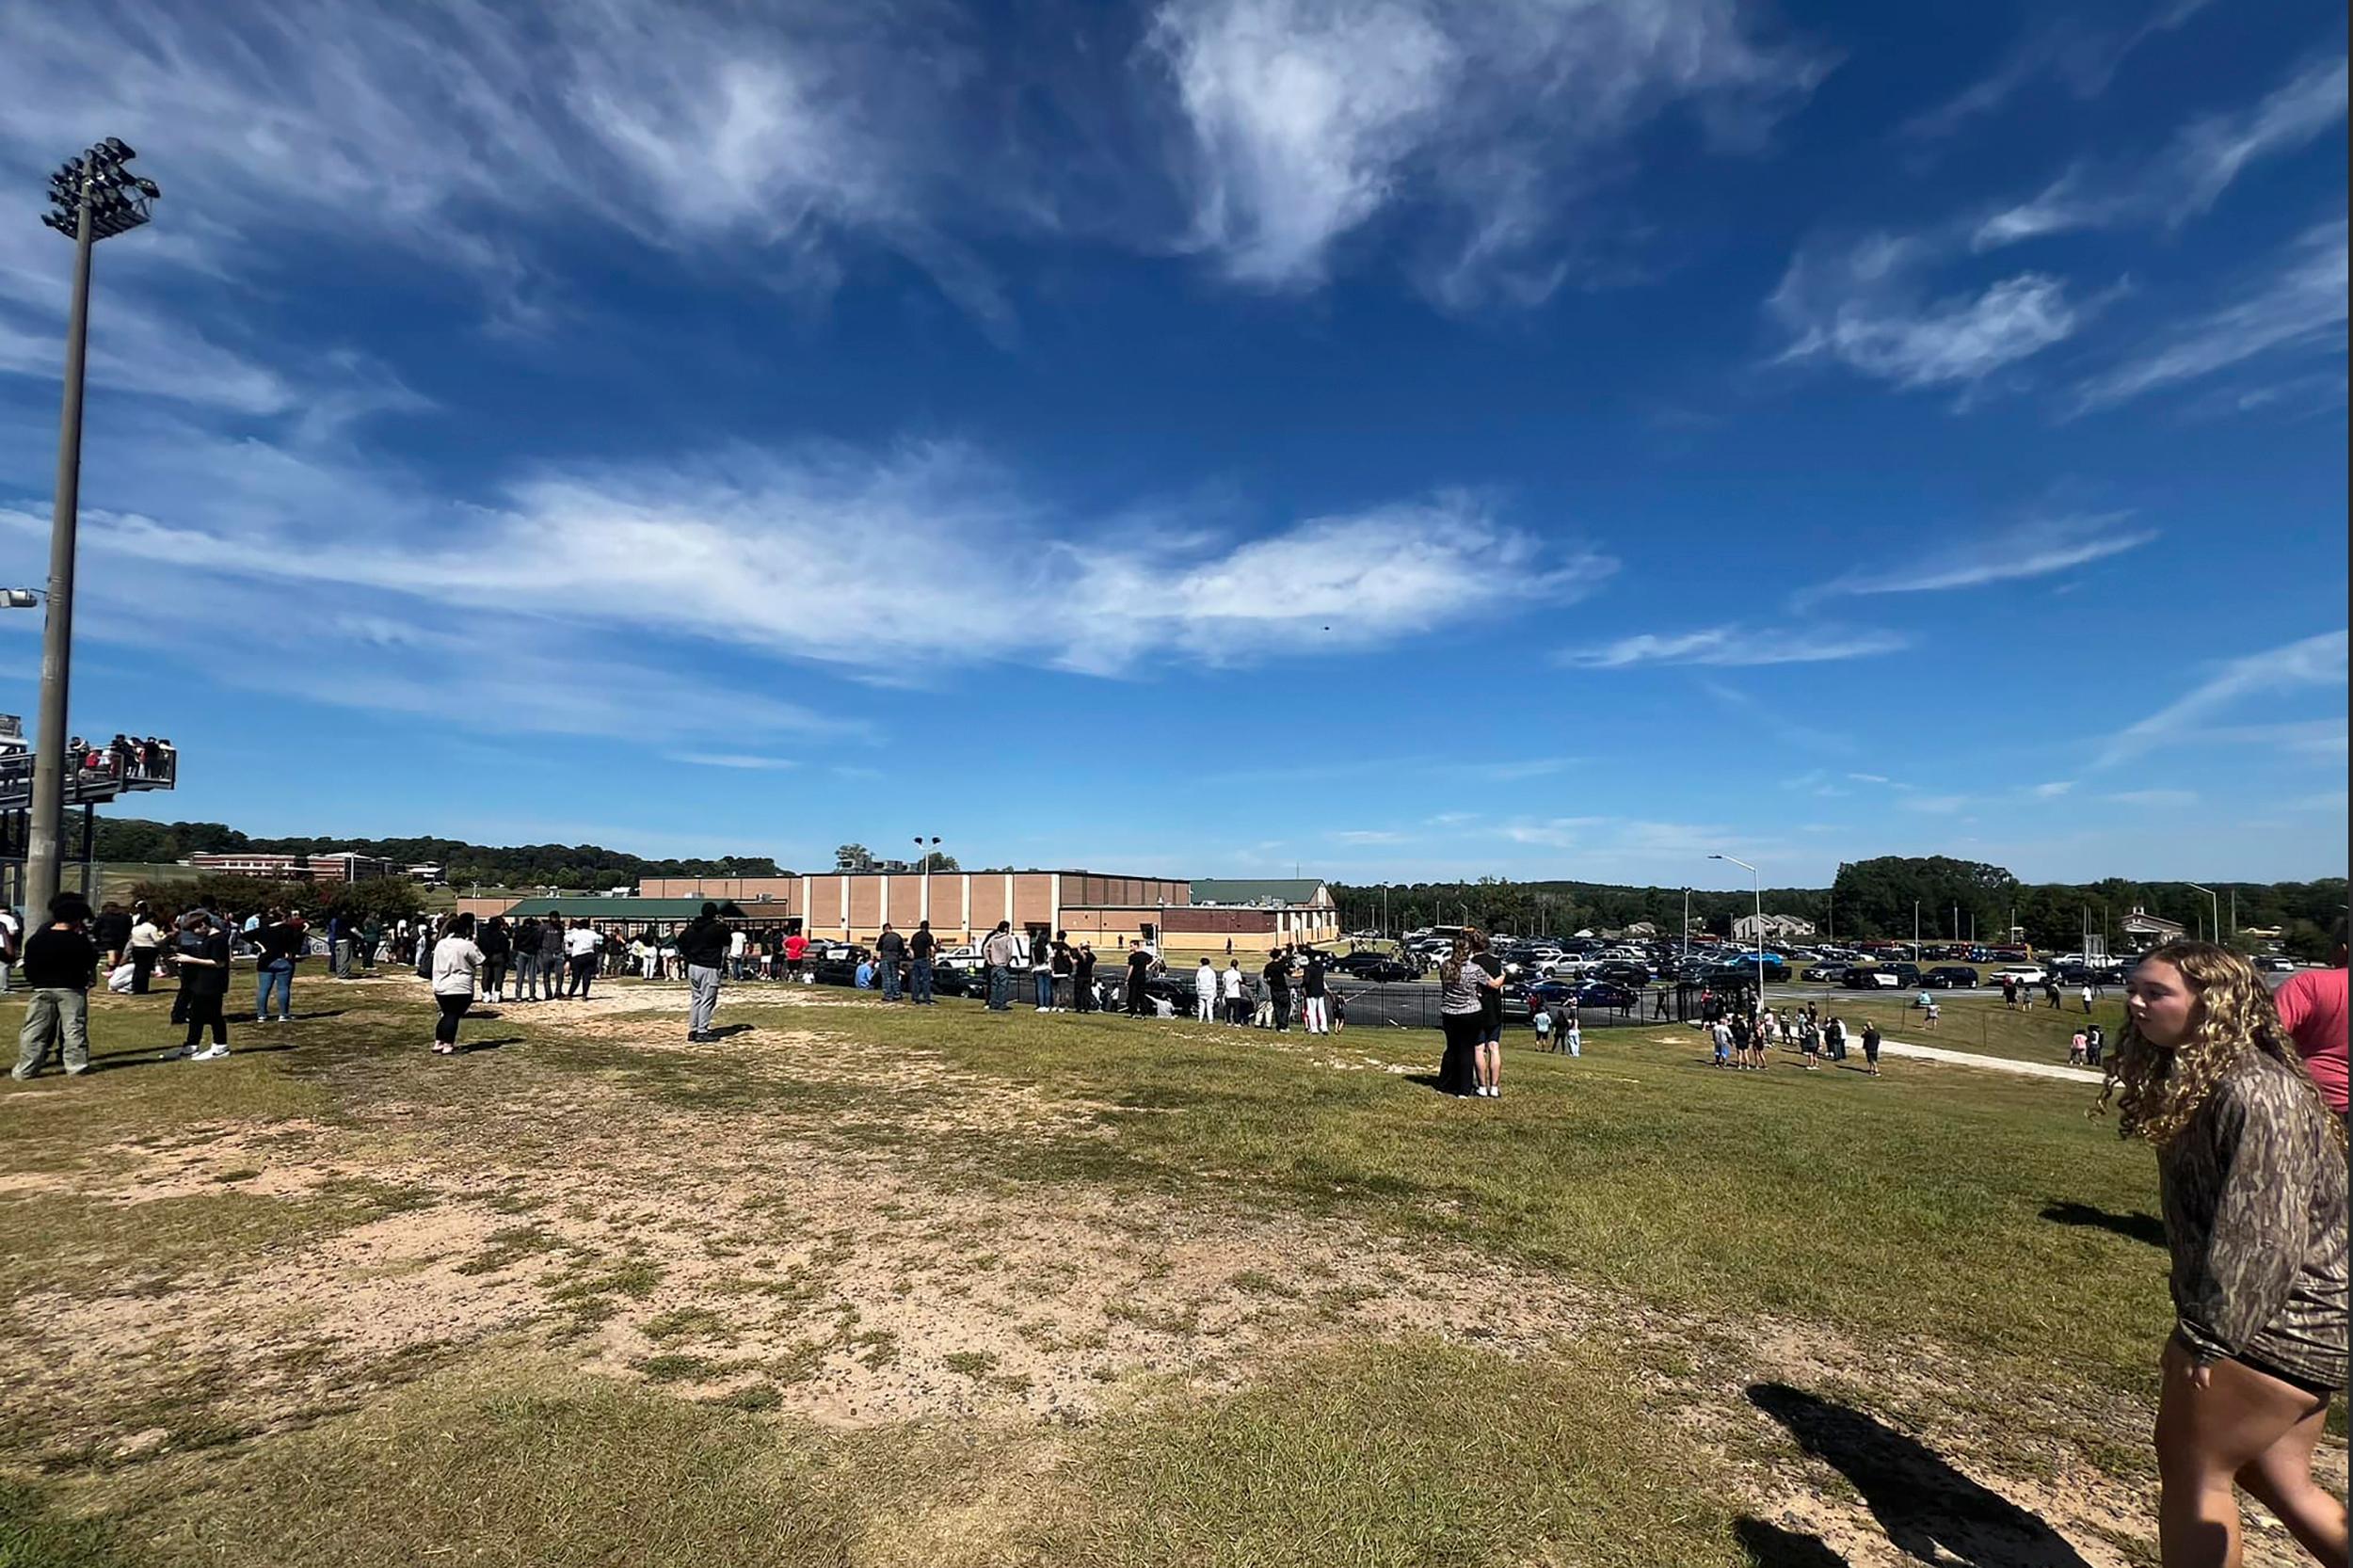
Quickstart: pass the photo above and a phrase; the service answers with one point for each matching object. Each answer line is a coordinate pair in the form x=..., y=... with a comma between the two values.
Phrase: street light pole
x=1757, y=885
x=2213, y=902
x=88, y=204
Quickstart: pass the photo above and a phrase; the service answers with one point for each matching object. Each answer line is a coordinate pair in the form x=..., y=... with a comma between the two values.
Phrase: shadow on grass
x=729, y=1030
x=1927, y=1508
x=2132, y=1227
x=466, y=1048
x=1770, y=1546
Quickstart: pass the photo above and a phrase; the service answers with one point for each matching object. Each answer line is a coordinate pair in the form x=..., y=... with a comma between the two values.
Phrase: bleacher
x=101, y=774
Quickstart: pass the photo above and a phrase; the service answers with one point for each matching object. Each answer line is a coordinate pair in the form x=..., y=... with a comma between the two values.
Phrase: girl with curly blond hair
x=2252, y=1165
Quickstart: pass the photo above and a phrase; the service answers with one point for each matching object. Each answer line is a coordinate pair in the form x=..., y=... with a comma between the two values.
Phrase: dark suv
x=1950, y=977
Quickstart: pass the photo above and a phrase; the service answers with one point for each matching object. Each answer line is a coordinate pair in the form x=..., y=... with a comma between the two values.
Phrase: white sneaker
x=1044, y=1010
x=210, y=1053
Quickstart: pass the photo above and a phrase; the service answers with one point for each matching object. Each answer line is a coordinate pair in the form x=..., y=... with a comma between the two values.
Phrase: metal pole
x=57, y=643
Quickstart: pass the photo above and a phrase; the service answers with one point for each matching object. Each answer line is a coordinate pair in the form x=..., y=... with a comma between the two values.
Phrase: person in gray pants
x=703, y=946
x=59, y=963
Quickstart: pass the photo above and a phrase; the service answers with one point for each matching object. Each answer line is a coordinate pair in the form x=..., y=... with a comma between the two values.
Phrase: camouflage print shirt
x=2254, y=1193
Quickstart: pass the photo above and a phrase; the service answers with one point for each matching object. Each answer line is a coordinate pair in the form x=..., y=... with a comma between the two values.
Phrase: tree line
x=1870, y=899
x=122, y=838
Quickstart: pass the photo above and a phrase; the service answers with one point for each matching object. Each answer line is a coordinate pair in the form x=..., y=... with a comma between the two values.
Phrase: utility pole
x=1915, y=931
x=92, y=198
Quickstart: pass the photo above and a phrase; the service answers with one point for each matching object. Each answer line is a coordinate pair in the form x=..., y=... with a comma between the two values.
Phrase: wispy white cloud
x=1367, y=836
x=2189, y=176
x=733, y=760
x=2055, y=789
x=1864, y=305
x=1513, y=772
x=1734, y=644
x=2303, y=665
x=2037, y=547
x=920, y=557
x=2059, y=48
x=2299, y=308
x=1306, y=120
x=2153, y=798
x=463, y=131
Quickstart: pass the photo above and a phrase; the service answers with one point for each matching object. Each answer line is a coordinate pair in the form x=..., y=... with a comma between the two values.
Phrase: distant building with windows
x=1107, y=910
x=2142, y=931
x=334, y=867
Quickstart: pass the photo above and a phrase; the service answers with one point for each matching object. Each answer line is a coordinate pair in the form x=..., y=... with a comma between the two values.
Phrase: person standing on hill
x=2312, y=1006
x=527, y=960
x=1230, y=985
x=580, y=946
x=1315, y=1001
x=498, y=945
x=1871, y=1049
x=146, y=941
x=1000, y=953
x=456, y=960
x=1205, y=991
x=705, y=946
x=1490, y=1053
x=552, y=957
x=890, y=952
x=111, y=931
x=1139, y=974
x=1277, y=975
x=2252, y=1175
x=60, y=961
x=1042, y=970
x=1083, y=977
x=204, y=978
x=1459, y=981
x=922, y=946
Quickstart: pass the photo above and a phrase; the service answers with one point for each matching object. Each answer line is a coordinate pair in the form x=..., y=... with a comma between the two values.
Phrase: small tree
x=852, y=857
x=385, y=899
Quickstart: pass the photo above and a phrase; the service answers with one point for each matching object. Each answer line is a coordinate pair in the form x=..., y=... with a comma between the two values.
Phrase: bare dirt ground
x=847, y=1270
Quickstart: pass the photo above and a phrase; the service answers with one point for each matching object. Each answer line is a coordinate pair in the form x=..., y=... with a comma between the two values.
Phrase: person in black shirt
x=1082, y=978
x=890, y=951
x=1277, y=974
x=281, y=944
x=923, y=945
x=111, y=933
x=1139, y=970
x=703, y=947
x=59, y=960
x=1318, y=1009
x=497, y=945
x=205, y=980
x=1065, y=968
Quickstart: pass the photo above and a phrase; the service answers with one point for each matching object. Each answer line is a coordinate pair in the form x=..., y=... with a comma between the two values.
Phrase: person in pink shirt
x=2312, y=1005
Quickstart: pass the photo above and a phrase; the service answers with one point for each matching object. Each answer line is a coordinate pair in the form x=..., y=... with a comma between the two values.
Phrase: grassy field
x=873, y=1285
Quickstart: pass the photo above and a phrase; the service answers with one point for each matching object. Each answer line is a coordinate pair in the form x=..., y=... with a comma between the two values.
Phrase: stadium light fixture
x=91, y=198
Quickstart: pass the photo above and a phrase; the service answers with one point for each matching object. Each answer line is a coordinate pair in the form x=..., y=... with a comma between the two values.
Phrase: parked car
x=1826, y=974
x=1870, y=977
x=1776, y=969
x=2024, y=974
x=1623, y=971
x=1375, y=968
x=1950, y=977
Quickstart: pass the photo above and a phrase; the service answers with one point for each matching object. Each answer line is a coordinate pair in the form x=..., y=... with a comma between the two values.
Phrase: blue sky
x=1393, y=438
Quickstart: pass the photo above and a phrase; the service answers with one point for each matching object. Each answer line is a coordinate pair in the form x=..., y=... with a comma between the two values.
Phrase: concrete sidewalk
x=1971, y=1059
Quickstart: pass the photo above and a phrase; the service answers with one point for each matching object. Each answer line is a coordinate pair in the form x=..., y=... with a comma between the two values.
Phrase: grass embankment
x=1959, y=1251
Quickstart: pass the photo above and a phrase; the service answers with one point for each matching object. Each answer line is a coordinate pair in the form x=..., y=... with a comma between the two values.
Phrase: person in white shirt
x=579, y=952
x=739, y=940
x=146, y=941
x=1205, y=992
x=1236, y=1009
x=12, y=938
x=455, y=959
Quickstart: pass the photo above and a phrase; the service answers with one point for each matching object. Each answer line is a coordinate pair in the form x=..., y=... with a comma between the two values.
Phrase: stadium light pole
x=1756, y=885
x=91, y=198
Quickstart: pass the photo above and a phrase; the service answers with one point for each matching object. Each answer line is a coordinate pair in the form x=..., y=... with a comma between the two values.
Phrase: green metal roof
x=1279, y=889
x=636, y=908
